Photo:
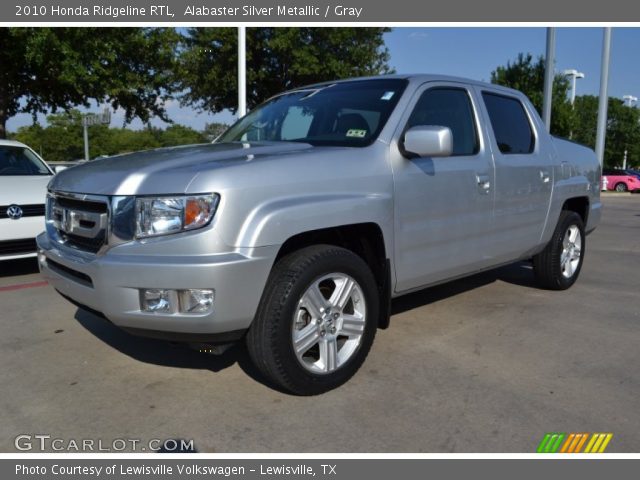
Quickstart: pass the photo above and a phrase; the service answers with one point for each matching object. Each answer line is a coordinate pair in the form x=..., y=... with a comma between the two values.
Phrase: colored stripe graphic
x=543, y=443
x=551, y=442
x=567, y=443
x=592, y=441
x=607, y=439
x=583, y=439
x=555, y=442
x=598, y=443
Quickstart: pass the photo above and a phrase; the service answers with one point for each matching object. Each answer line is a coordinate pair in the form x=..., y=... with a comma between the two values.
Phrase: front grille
x=80, y=223
x=16, y=247
x=81, y=205
x=31, y=210
x=83, y=243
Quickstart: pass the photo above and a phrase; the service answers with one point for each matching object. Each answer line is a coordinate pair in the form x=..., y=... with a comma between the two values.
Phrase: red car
x=620, y=181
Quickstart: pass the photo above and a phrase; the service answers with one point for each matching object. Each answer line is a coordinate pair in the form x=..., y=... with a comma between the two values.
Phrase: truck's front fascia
x=112, y=278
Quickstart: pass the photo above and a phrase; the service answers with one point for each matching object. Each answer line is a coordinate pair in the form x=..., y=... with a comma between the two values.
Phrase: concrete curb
x=614, y=194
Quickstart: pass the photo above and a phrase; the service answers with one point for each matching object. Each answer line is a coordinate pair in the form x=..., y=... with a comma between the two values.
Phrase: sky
x=472, y=53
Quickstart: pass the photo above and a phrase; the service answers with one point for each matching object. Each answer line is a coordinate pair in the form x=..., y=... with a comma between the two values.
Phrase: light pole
x=629, y=101
x=550, y=56
x=603, y=97
x=242, y=71
x=89, y=119
x=574, y=74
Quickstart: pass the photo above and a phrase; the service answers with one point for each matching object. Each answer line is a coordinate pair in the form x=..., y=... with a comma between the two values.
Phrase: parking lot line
x=21, y=286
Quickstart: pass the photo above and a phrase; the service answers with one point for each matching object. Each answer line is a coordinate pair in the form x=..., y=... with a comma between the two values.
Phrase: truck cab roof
x=419, y=78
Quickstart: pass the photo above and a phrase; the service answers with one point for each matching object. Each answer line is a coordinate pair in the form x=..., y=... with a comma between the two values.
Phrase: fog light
x=196, y=300
x=155, y=300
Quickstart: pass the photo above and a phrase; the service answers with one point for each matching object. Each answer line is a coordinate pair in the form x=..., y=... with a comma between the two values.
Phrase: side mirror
x=428, y=141
x=59, y=168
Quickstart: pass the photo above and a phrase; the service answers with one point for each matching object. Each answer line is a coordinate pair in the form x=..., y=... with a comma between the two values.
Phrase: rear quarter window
x=510, y=124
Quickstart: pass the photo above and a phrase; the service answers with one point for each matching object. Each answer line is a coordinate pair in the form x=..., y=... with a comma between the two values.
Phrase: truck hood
x=166, y=170
x=23, y=189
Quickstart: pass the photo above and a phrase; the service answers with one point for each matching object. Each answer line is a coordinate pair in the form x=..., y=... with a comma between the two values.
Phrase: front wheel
x=621, y=187
x=316, y=321
x=557, y=267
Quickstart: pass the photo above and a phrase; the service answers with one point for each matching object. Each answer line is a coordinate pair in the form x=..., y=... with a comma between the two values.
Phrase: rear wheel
x=316, y=321
x=557, y=267
x=621, y=187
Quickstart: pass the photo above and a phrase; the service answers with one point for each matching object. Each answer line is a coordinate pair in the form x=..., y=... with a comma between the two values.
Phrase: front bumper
x=110, y=283
x=17, y=237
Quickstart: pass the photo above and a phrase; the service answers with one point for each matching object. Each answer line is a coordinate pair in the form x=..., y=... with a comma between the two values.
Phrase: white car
x=23, y=188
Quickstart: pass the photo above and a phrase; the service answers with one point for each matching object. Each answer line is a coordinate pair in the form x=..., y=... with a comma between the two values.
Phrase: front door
x=443, y=206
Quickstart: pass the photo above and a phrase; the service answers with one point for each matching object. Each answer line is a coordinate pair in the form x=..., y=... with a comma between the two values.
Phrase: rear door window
x=510, y=124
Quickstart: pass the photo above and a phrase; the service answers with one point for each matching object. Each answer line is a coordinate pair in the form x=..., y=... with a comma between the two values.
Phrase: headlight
x=165, y=215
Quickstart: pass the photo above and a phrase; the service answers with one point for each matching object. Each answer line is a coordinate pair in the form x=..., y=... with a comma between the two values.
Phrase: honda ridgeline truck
x=295, y=229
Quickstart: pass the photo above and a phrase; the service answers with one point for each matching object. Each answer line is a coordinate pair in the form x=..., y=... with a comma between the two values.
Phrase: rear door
x=523, y=174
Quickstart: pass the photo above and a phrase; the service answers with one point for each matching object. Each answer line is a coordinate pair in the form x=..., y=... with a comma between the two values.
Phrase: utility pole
x=548, y=77
x=85, y=135
x=242, y=71
x=603, y=100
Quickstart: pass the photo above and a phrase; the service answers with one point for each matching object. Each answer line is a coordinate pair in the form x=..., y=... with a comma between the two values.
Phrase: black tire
x=621, y=187
x=269, y=339
x=547, y=264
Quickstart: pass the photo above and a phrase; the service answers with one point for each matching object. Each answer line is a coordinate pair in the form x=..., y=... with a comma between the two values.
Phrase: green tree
x=180, y=135
x=623, y=133
x=527, y=75
x=214, y=130
x=623, y=129
x=47, y=69
x=124, y=140
x=277, y=59
x=32, y=135
x=61, y=139
x=586, y=120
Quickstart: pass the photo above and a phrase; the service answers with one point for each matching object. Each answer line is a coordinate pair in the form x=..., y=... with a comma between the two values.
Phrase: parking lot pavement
x=485, y=364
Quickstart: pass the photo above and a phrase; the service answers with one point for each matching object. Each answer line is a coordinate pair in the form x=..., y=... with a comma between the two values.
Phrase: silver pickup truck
x=296, y=228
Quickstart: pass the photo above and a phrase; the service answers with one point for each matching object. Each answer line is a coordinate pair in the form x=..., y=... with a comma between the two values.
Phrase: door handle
x=484, y=183
x=544, y=176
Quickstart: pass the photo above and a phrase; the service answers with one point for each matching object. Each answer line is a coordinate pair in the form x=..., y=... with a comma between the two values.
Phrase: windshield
x=342, y=114
x=20, y=161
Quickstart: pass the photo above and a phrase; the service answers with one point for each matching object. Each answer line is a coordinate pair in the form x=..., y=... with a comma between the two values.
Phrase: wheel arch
x=365, y=240
x=580, y=205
